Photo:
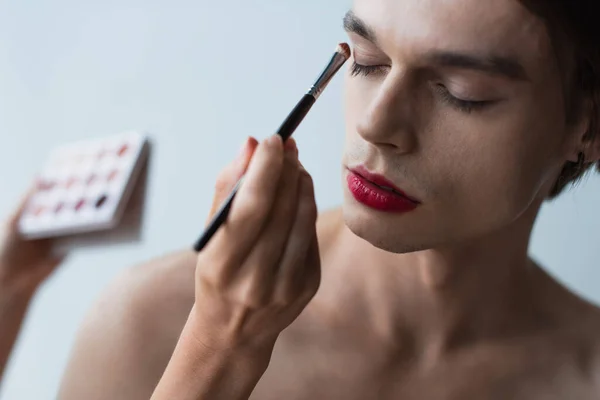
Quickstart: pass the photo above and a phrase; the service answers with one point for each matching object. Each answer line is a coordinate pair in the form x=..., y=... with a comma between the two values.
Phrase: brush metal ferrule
x=329, y=72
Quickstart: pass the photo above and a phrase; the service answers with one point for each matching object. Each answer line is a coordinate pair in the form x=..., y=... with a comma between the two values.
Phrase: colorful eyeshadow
x=79, y=205
x=71, y=182
x=113, y=175
x=122, y=150
x=101, y=201
x=83, y=186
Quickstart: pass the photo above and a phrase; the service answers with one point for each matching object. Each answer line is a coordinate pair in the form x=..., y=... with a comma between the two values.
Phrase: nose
x=389, y=120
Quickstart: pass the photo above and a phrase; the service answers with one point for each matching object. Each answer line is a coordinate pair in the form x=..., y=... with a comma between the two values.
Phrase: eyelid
x=368, y=54
x=463, y=105
x=456, y=93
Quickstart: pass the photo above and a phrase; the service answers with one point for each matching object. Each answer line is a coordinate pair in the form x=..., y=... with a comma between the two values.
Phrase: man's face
x=458, y=103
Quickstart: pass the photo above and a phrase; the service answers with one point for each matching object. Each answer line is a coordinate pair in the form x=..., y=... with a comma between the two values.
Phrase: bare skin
x=24, y=266
x=439, y=303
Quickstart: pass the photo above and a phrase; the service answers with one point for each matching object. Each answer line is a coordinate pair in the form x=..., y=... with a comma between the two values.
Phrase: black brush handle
x=285, y=131
x=295, y=117
x=218, y=219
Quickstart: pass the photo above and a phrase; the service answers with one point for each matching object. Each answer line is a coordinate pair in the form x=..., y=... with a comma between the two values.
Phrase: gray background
x=200, y=76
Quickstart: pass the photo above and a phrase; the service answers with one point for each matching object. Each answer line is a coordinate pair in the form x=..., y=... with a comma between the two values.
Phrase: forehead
x=502, y=27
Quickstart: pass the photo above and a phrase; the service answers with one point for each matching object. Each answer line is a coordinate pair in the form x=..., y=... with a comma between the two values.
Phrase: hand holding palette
x=85, y=186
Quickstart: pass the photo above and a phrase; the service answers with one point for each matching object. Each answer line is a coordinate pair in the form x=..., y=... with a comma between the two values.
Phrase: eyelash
x=365, y=70
x=466, y=106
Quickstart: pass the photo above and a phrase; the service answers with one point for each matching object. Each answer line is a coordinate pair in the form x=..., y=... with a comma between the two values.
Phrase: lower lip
x=372, y=196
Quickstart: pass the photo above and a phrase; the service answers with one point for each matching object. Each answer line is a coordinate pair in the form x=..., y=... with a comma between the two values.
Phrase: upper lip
x=382, y=181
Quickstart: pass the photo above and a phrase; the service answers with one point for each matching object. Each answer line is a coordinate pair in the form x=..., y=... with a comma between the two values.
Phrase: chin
x=381, y=231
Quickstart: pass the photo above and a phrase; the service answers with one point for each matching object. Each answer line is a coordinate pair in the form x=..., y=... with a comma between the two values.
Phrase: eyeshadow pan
x=113, y=174
x=123, y=150
x=71, y=182
x=91, y=179
x=84, y=186
x=101, y=201
x=79, y=205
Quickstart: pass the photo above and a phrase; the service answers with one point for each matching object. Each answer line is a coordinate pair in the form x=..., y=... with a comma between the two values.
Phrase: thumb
x=22, y=205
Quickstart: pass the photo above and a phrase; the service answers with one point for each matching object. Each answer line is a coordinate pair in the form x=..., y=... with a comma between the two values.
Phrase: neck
x=442, y=298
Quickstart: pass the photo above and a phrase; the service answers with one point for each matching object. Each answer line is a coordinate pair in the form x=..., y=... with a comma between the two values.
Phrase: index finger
x=253, y=203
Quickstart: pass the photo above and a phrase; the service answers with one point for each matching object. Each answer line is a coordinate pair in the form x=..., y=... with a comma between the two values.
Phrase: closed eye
x=366, y=70
x=466, y=106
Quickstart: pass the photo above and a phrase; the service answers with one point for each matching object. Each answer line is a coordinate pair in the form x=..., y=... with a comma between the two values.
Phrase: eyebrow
x=353, y=24
x=494, y=65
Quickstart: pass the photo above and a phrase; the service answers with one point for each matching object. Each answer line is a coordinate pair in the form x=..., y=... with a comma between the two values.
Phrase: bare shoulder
x=573, y=324
x=581, y=344
x=128, y=336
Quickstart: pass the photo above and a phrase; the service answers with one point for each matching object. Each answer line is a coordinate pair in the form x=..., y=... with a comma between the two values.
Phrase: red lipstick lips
x=376, y=192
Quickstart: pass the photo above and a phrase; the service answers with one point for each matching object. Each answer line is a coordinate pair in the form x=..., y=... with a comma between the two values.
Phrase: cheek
x=358, y=94
x=503, y=164
x=354, y=105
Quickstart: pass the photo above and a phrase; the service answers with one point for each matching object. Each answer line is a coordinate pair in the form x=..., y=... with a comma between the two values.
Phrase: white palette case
x=85, y=186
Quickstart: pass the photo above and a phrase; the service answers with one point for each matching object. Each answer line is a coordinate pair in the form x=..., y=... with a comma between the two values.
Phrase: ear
x=591, y=151
x=585, y=145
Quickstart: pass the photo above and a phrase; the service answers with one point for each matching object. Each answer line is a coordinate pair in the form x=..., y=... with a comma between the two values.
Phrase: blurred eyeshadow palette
x=85, y=186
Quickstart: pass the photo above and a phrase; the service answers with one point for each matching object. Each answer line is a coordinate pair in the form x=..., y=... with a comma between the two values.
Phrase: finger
x=302, y=235
x=56, y=261
x=231, y=174
x=251, y=208
x=313, y=268
x=260, y=268
x=47, y=268
x=14, y=217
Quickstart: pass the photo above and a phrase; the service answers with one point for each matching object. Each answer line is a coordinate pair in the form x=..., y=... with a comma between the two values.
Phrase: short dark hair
x=575, y=34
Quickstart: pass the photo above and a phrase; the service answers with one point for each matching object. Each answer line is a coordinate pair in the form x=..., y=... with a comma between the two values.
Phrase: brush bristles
x=344, y=50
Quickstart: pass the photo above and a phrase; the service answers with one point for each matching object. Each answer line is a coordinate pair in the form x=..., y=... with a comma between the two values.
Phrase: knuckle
x=308, y=210
x=254, y=208
x=307, y=178
x=274, y=156
x=224, y=181
x=211, y=275
x=307, y=185
x=248, y=296
x=281, y=300
x=286, y=295
x=208, y=279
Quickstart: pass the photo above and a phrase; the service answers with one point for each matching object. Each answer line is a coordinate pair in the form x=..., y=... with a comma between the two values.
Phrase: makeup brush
x=287, y=128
